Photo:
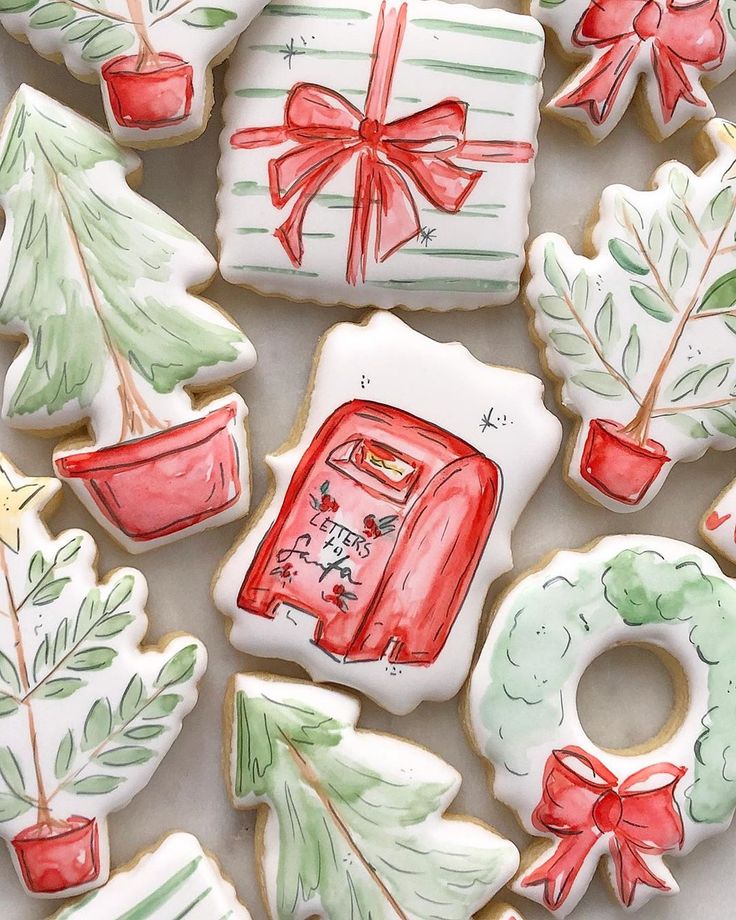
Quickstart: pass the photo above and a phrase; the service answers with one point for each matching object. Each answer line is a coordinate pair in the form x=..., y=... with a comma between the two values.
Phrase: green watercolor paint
x=468, y=28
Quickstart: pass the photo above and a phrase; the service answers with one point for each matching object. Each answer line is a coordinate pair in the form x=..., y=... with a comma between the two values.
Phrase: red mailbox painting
x=379, y=535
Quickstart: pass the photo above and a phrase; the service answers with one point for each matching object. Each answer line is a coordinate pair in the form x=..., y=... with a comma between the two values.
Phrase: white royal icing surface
x=408, y=633
x=85, y=261
x=177, y=879
x=86, y=715
x=449, y=238
x=654, y=591
x=666, y=50
x=146, y=108
x=356, y=820
x=640, y=336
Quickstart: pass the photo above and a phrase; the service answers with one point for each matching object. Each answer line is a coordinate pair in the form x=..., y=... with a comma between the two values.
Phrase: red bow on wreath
x=328, y=131
x=583, y=801
x=681, y=36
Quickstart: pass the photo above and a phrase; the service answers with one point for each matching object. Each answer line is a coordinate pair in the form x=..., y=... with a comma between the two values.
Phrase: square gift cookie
x=380, y=153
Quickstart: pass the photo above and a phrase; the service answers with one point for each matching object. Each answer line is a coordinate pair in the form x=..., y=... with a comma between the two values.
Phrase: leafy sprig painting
x=354, y=825
x=65, y=637
x=642, y=335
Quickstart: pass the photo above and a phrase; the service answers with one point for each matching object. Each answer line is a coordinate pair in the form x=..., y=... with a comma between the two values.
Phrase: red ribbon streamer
x=680, y=35
x=582, y=801
x=328, y=131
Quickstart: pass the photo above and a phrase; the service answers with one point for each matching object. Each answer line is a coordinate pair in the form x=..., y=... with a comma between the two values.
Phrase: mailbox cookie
x=640, y=333
x=177, y=880
x=351, y=822
x=86, y=715
x=662, y=51
x=390, y=515
x=96, y=282
x=380, y=153
x=633, y=809
x=153, y=59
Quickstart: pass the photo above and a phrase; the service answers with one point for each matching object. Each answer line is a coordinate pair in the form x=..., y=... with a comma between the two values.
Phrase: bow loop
x=320, y=112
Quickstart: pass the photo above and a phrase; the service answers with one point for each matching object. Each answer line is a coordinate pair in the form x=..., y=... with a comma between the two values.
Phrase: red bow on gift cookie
x=630, y=36
x=328, y=131
x=584, y=803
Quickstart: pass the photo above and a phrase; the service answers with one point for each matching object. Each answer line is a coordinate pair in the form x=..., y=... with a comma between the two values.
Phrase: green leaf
x=106, y=44
x=113, y=626
x=69, y=552
x=12, y=807
x=17, y=6
x=8, y=705
x=689, y=426
x=120, y=594
x=572, y=345
x=84, y=28
x=655, y=239
x=11, y=772
x=722, y=419
x=60, y=640
x=97, y=725
x=555, y=307
x=627, y=214
x=89, y=612
x=59, y=688
x=632, y=354
x=718, y=211
x=579, y=292
x=721, y=295
x=126, y=756
x=606, y=325
x=553, y=271
x=51, y=16
x=37, y=567
x=65, y=755
x=599, y=382
x=203, y=17
x=97, y=784
x=679, y=266
x=629, y=258
x=679, y=219
x=178, y=668
x=679, y=182
x=145, y=732
x=652, y=302
x=49, y=592
x=92, y=659
x=131, y=699
x=162, y=706
x=8, y=673
x=699, y=380
x=41, y=658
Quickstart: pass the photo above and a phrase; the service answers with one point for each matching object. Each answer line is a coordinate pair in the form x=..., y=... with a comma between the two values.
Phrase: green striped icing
x=464, y=213
x=246, y=231
x=275, y=271
x=318, y=236
x=466, y=285
x=489, y=255
x=324, y=53
x=250, y=188
x=258, y=92
x=317, y=12
x=468, y=28
x=476, y=71
x=158, y=898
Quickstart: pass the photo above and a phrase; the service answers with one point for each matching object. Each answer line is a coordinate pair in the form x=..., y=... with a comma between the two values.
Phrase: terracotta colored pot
x=53, y=861
x=617, y=465
x=150, y=98
x=166, y=482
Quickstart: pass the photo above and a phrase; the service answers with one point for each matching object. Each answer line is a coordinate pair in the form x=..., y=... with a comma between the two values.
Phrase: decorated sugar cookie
x=641, y=333
x=95, y=281
x=85, y=714
x=662, y=51
x=380, y=153
x=633, y=810
x=177, y=880
x=152, y=58
x=391, y=514
x=351, y=822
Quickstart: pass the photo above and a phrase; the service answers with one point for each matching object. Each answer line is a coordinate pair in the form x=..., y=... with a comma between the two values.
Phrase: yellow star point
x=20, y=495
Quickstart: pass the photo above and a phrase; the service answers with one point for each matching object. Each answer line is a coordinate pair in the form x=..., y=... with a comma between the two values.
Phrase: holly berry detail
x=325, y=502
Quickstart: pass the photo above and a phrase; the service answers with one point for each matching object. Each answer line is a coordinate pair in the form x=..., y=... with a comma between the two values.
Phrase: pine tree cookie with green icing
x=351, y=822
x=631, y=809
x=97, y=284
x=175, y=881
x=86, y=714
x=153, y=59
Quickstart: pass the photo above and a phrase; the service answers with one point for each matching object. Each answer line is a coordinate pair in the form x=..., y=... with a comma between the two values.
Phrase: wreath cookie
x=633, y=808
x=663, y=51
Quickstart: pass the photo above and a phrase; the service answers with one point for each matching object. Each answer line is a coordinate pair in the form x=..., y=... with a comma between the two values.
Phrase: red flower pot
x=166, y=482
x=617, y=465
x=154, y=97
x=52, y=861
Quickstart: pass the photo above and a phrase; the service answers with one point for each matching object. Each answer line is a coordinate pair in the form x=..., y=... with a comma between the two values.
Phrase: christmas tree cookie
x=641, y=332
x=96, y=282
x=153, y=59
x=661, y=51
x=351, y=822
x=391, y=514
x=85, y=714
x=177, y=880
x=380, y=153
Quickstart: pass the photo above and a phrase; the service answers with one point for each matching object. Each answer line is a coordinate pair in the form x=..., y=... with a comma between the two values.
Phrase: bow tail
x=631, y=870
x=560, y=872
x=597, y=86
x=674, y=84
x=496, y=151
x=360, y=225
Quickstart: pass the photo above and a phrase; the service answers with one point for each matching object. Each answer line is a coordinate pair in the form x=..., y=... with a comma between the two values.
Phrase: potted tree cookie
x=97, y=280
x=85, y=715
